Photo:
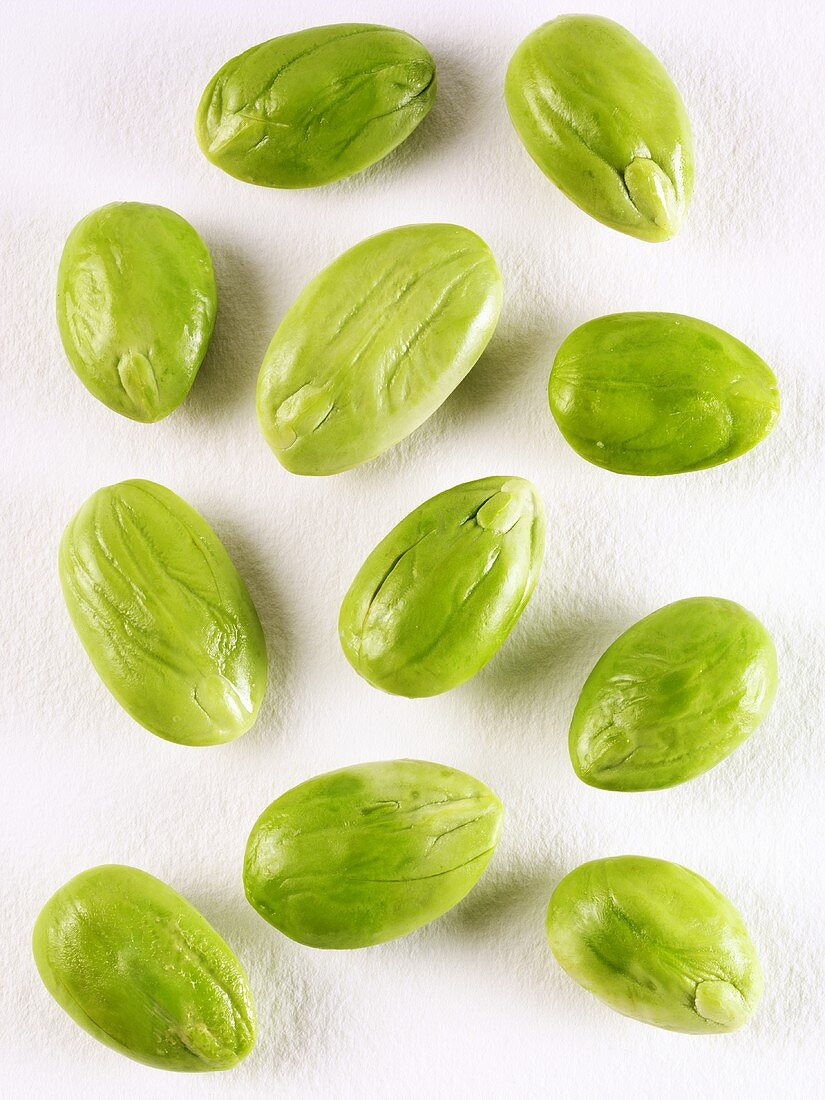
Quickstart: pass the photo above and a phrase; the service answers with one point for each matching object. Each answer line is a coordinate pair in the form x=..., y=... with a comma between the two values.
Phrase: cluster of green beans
x=369, y=349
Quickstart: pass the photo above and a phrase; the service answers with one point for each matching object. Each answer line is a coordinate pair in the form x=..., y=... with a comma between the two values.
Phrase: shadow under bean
x=257, y=570
x=243, y=330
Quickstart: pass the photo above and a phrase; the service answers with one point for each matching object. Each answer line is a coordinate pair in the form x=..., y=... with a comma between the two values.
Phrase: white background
x=98, y=101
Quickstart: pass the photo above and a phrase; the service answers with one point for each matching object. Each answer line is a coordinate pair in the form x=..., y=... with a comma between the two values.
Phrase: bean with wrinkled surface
x=365, y=854
x=316, y=106
x=673, y=696
x=439, y=595
x=657, y=942
x=374, y=344
x=135, y=965
x=136, y=304
x=660, y=393
x=600, y=116
x=163, y=614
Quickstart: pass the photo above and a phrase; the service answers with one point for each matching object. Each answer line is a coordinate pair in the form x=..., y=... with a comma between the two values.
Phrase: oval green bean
x=163, y=614
x=660, y=393
x=135, y=965
x=315, y=106
x=374, y=344
x=674, y=695
x=136, y=304
x=441, y=592
x=657, y=942
x=600, y=116
x=365, y=854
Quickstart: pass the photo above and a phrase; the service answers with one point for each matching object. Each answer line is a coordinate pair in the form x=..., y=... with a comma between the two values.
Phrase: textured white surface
x=98, y=105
